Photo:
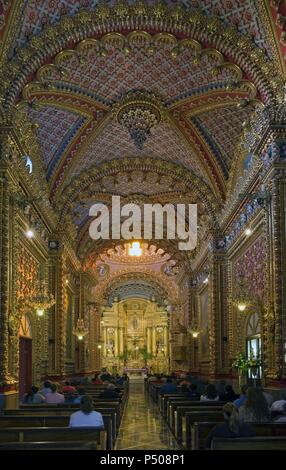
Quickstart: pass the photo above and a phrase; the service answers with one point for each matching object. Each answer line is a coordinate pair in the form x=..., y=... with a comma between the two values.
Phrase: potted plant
x=145, y=354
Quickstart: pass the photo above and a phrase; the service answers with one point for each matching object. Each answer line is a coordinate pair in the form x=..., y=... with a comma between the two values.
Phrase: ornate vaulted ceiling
x=210, y=62
x=36, y=14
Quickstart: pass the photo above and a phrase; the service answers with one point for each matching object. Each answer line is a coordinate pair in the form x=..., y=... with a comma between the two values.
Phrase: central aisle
x=142, y=426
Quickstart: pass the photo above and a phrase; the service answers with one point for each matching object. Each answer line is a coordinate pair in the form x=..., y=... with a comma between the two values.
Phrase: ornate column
x=274, y=324
x=104, y=340
x=121, y=340
x=92, y=339
x=4, y=271
x=267, y=138
x=116, y=345
x=166, y=340
x=193, y=313
x=218, y=317
x=98, y=351
x=149, y=345
x=60, y=316
x=154, y=341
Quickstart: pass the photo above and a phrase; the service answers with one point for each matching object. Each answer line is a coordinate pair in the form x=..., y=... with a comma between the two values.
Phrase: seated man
x=86, y=417
x=168, y=387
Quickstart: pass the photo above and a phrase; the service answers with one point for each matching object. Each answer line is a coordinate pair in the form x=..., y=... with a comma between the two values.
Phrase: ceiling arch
x=164, y=288
x=91, y=56
x=70, y=30
x=135, y=180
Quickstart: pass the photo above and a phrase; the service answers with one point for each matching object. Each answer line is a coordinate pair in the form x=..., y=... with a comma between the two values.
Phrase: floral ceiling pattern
x=242, y=14
x=114, y=142
x=221, y=128
x=56, y=128
x=108, y=78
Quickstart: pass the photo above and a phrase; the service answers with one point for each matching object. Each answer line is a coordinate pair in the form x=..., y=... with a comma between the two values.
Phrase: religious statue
x=135, y=323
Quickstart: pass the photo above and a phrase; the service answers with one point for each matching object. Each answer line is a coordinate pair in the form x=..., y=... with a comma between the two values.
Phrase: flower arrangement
x=244, y=364
x=240, y=363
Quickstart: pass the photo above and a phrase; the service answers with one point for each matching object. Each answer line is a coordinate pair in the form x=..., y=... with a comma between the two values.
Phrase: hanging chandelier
x=41, y=301
x=139, y=112
x=194, y=329
x=243, y=299
x=80, y=330
x=135, y=249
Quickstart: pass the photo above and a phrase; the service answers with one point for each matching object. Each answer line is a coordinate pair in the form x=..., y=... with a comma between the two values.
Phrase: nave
x=115, y=114
x=142, y=426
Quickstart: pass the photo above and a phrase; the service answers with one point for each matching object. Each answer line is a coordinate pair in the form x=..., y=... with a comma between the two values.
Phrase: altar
x=136, y=375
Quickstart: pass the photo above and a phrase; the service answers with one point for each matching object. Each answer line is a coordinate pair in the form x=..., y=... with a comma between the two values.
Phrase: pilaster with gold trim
x=4, y=269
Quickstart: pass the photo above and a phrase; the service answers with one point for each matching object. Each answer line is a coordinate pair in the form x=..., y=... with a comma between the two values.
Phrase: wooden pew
x=165, y=397
x=64, y=408
x=52, y=414
x=250, y=443
x=198, y=432
x=196, y=414
x=174, y=404
x=54, y=434
x=50, y=445
x=15, y=421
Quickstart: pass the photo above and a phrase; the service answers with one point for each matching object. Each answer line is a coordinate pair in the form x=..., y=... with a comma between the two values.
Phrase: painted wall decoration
x=251, y=264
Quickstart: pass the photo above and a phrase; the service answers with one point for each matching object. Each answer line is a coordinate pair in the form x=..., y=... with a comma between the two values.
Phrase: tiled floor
x=142, y=426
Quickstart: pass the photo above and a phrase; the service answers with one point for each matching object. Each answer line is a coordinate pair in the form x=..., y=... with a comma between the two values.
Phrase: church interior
x=163, y=103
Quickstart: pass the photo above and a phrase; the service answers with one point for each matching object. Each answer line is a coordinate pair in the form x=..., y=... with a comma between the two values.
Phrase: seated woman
x=54, y=397
x=210, y=394
x=228, y=394
x=86, y=417
x=34, y=397
x=68, y=388
x=255, y=408
x=231, y=427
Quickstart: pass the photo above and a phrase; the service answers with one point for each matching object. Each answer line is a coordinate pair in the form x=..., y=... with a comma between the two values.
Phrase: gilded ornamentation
x=139, y=112
x=161, y=16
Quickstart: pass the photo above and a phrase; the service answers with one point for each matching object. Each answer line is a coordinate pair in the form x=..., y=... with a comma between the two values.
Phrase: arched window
x=253, y=339
x=25, y=327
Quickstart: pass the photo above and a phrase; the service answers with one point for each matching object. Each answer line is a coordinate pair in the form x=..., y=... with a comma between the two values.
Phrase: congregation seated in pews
x=77, y=413
x=191, y=406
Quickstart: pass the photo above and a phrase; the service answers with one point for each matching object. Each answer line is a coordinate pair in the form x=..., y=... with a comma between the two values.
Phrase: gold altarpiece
x=134, y=335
